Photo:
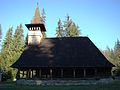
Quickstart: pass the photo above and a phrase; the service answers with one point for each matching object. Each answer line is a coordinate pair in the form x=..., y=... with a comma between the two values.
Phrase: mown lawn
x=111, y=86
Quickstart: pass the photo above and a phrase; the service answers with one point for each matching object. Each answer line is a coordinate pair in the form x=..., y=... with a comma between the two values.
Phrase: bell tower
x=35, y=28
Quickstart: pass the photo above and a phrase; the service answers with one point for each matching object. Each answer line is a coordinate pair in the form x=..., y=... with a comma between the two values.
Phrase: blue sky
x=97, y=19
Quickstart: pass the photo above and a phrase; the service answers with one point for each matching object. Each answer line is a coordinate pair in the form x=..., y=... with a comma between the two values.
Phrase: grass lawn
x=111, y=86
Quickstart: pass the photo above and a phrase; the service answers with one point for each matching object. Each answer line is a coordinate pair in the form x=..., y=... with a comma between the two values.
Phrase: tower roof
x=36, y=18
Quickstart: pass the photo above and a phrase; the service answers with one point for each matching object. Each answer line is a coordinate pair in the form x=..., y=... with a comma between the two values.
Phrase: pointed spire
x=36, y=18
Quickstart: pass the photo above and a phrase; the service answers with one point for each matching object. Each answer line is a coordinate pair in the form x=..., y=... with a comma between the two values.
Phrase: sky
x=97, y=19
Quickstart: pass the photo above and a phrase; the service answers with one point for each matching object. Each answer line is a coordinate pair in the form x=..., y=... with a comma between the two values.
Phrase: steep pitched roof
x=62, y=52
x=36, y=18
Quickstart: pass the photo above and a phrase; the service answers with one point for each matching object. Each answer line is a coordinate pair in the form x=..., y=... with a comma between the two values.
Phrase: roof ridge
x=65, y=37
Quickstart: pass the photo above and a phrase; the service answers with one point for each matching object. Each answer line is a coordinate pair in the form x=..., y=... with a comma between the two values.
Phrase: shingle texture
x=62, y=52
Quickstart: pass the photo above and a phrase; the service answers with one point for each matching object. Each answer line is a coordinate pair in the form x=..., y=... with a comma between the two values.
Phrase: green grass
x=111, y=86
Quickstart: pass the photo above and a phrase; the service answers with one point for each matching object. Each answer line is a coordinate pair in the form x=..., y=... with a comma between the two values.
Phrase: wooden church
x=59, y=58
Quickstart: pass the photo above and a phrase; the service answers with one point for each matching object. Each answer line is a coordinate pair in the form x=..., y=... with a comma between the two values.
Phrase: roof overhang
x=36, y=25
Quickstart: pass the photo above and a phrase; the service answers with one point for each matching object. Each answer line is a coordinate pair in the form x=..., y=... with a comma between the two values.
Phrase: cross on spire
x=37, y=3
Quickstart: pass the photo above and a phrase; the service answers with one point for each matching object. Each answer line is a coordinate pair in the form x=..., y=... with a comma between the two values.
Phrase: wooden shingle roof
x=62, y=52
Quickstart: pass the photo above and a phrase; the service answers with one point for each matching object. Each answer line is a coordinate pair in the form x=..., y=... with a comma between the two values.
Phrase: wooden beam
x=27, y=76
x=29, y=73
x=74, y=73
x=40, y=73
x=18, y=74
x=84, y=71
x=23, y=74
x=61, y=73
x=50, y=73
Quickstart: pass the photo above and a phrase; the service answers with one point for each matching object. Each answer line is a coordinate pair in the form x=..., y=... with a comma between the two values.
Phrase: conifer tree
x=43, y=16
x=67, y=25
x=69, y=29
x=109, y=54
x=117, y=51
x=59, y=30
x=73, y=31
x=26, y=40
x=0, y=32
x=19, y=42
x=19, y=45
x=113, y=55
x=7, y=51
x=43, y=20
x=12, y=47
x=117, y=58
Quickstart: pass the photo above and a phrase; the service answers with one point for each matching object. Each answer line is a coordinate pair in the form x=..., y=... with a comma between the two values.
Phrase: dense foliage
x=13, y=46
x=113, y=55
x=67, y=29
x=0, y=32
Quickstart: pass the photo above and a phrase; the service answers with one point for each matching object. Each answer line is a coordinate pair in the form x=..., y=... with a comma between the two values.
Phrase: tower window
x=29, y=28
x=37, y=28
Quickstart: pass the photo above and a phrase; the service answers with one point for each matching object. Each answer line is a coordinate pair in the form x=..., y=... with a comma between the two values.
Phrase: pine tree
x=73, y=31
x=19, y=45
x=67, y=25
x=69, y=29
x=109, y=54
x=13, y=46
x=7, y=51
x=59, y=30
x=19, y=42
x=113, y=55
x=117, y=58
x=0, y=32
x=44, y=21
x=117, y=51
x=43, y=16
x=26, y=40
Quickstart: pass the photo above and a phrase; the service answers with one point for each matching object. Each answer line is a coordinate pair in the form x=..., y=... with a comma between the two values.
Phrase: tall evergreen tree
x=59, y=29
x=117, y=51
x=19, y=45
x=7, y=51
x=19, y=42
x=117, y=57
x=113, y=55
x=13, y=46
x=73, y=31
x=109, y=54
x=44, y=21
x=0, y=32
x=69, y=29
x=43, y=16
x=67, y=25
x=26, y=40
